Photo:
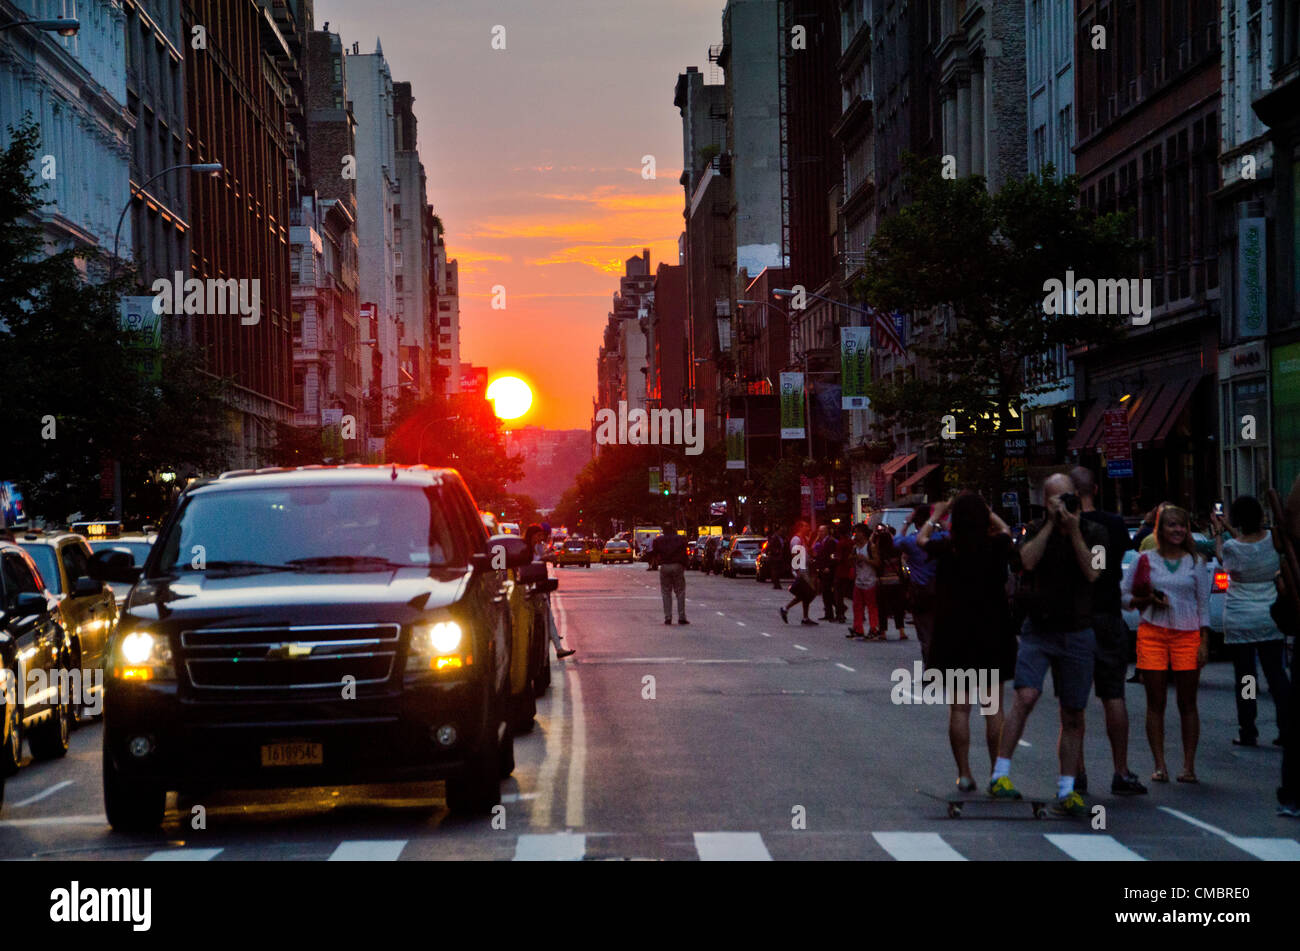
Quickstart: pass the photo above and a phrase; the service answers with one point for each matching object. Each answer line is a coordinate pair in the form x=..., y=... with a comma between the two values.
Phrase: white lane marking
x=368, y=850
x=765, y=634
x=1093, y=848
x=98, y=820
x=574, y=811
x=554, y=724
x=719, y=614
x=517, y=797
x=1264, y=848
x=917, y=847
x=556, y=847
x=800, y=647
x=183, y=855
x=845, y=667
x=731, y=847
x=41, y=795
x=740, y=623
x=1025, y=744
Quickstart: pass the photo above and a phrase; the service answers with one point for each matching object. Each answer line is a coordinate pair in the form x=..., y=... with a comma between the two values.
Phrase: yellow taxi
x=574, y=552
x=616, y=551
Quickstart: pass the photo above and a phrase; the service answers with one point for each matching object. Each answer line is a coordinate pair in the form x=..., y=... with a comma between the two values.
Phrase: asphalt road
x=735, y=737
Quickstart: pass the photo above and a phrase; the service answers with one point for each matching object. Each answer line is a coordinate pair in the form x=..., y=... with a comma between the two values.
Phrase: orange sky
x=534, y=158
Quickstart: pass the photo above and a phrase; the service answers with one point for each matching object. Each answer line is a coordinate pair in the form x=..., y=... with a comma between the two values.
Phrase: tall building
x=240, y=221
x=378, y=203
x=412, y=234
x=667, y=342
x=155, y=98
x=1258, y=215
x=621, y=368
x=708, y=247
x=1147, y=109
x=1049, y=80
x=75, y=90
x=446, y=291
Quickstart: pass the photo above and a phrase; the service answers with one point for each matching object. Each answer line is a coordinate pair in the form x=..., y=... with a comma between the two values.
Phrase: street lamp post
x=214, y=167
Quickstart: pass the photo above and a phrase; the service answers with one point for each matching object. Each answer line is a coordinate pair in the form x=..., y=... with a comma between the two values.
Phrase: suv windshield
x=44, y=557
x=325, y=528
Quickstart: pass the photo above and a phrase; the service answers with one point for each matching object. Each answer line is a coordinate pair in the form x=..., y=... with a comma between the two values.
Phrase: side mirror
x=111, y=564
x=30, y=602
x=87, y=588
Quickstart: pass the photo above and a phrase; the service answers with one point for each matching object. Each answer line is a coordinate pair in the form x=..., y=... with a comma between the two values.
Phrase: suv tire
x=131, y=806
x=543, y=681
x=478, y=788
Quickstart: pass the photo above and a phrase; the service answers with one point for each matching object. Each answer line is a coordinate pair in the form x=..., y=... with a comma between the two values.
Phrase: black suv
x=317, y=626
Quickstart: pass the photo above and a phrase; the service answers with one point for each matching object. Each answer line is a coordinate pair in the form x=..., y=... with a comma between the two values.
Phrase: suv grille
x=289, y=658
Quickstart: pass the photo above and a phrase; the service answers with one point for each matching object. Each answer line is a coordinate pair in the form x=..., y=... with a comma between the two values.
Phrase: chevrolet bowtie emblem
x=289, y=651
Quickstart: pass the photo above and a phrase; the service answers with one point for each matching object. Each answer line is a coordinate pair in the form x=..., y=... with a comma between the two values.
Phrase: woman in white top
x=1170, y=585
x=1251, y=561
x=865, y=561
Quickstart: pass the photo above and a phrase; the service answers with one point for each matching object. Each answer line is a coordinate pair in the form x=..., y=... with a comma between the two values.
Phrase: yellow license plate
x=293, y=754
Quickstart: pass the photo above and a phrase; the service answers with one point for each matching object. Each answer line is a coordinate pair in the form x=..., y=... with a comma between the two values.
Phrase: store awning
x=1152, y=412
x=1162, y=412
x=893, y=465
x=906, y=485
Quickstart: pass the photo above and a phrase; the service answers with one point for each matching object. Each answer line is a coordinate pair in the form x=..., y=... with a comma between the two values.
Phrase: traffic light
x=663, y=488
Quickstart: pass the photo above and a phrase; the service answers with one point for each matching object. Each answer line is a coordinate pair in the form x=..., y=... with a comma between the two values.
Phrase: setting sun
x=510, y=396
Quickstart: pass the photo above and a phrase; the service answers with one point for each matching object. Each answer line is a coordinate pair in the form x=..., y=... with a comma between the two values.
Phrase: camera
x=1070, y=502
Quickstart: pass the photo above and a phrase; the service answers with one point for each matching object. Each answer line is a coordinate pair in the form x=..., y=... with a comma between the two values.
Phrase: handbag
x=1142, y=577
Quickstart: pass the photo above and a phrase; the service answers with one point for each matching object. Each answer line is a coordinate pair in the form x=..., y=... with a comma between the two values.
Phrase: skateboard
x=957, y=800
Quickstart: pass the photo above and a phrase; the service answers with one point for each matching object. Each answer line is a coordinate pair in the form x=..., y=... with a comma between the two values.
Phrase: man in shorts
x=1057, y=559
x=1111, y=667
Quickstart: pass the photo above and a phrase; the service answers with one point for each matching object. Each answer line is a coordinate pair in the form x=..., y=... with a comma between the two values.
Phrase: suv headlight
x=438, y=646
x=143, y=656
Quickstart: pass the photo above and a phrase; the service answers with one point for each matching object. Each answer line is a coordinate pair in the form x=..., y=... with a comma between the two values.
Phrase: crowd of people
x=990, y=608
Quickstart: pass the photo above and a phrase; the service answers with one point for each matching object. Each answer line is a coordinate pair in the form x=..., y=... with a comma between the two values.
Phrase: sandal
x=1160, y=776
x=1188, y=778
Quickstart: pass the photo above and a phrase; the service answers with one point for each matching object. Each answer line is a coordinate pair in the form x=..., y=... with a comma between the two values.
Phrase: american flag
x=889, y=331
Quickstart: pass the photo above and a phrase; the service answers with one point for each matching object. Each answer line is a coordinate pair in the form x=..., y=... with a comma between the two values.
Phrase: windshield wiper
x=347, y=563
x=236, y=566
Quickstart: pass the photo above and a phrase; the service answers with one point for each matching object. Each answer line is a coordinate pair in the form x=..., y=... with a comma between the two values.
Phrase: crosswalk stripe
x=731, y=847
x=556, y=847
x=368, y=850
x=1268, y=849
x=1093, y=848
x=183, y=855
x=917, y=847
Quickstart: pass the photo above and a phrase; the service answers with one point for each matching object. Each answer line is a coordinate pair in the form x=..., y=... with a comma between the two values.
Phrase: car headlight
x=144, y=656
x=437, y=646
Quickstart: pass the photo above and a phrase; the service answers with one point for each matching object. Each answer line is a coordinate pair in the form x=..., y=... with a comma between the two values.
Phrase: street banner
x=1115, y=440
x=1252, y=277
x=654, y=480
x=855, y=366
x=792, y=425
x=735, y=443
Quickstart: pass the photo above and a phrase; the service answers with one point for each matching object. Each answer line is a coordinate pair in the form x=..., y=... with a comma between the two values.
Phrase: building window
x=300, y=389
x=296, y=321
x=444, y=305
x=399, y=283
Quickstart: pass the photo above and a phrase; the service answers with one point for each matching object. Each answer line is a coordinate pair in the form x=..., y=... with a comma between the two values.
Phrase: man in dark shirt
x=1110, y=667
x=669, y=552
x=1061, y=558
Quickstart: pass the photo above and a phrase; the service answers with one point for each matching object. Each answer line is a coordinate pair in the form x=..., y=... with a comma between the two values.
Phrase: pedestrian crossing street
x=971, y=843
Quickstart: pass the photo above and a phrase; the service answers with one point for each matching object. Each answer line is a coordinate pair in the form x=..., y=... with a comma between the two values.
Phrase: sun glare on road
x=510, y=396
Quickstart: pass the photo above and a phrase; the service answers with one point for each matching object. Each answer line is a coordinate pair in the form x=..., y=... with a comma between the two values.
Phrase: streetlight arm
x=204, y=167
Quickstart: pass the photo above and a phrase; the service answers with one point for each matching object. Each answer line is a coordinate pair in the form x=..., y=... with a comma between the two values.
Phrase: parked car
x=361, y=634
x=720, y=555
x=87, y=605
x=615, y=552
x=574, y=552
x=741, y=557
x=32, y=638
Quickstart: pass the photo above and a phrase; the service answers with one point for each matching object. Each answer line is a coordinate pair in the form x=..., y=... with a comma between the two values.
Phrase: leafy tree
x=460, y=431
x=978, y=263
x=75, y=388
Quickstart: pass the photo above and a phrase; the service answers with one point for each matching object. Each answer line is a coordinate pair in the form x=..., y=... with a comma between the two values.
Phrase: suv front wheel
x=478, y=787
x=131, y=806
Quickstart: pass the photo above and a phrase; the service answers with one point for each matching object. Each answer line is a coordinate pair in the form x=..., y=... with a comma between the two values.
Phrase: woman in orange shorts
x=1171, y=587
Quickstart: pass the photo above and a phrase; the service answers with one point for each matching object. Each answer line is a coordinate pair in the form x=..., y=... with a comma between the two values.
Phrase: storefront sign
x=855, y=366
x=1252, y=277
x=792, y=425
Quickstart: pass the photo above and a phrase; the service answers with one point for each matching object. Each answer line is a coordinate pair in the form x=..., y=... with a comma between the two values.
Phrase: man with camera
x=1060, y=559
